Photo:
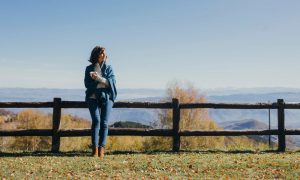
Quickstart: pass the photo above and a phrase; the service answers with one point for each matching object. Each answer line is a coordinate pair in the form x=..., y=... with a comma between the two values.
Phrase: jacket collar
x=103, y=64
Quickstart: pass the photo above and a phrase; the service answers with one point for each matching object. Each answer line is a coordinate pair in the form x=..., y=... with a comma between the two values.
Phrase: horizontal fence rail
x=228, y=106
x=26, y=104
x=144, y=132
x=175, y=132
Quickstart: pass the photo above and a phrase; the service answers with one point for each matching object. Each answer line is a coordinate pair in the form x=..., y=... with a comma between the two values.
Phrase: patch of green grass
x=120, y=165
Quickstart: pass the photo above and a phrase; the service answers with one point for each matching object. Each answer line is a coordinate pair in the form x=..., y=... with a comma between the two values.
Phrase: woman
x=101, y=93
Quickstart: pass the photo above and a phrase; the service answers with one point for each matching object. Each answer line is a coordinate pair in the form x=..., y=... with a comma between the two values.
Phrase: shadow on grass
x=156, y=152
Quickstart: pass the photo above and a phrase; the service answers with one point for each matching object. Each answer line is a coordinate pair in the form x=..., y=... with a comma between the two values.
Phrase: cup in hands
x=93, y=74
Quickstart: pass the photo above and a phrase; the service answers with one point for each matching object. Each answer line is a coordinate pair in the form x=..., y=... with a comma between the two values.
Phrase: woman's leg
x=105, y=114
x=95, y=115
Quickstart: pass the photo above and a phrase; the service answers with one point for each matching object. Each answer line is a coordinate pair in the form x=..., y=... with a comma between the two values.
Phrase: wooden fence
x=175, y=132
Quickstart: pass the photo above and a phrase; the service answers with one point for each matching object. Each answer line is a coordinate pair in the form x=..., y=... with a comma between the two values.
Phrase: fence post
x=176, y=119
x=281, y=128
x=55, y=124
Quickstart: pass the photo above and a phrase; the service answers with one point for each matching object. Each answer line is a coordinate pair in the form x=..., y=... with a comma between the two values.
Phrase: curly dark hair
x=95, y=54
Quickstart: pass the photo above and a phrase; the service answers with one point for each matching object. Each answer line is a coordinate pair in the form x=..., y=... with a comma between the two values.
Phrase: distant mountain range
x=252, y=124
x=244, y=124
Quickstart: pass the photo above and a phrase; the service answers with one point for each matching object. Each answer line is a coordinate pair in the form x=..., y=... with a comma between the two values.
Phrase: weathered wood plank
x=176, y=121
x=118, y=132
x=228, y=106
x=26, y=132
x=26, y=104
x=55, y=124
x=227, y=132
x=281, y=128
x=144, y=132
x=82, y=104
x=292, y=106
x=292, y=132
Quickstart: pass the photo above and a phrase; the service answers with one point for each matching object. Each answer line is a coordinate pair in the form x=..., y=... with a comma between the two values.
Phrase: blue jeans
x=100, y=112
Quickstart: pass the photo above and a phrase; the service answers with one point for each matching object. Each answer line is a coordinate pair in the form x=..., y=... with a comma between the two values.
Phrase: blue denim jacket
x=91, y=84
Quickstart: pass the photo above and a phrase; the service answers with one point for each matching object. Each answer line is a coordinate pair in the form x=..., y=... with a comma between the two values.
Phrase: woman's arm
x=112, y=83
x=102, y=80
x=88, y=81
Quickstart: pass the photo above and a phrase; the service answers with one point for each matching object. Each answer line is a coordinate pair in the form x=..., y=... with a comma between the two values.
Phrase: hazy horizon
x=217, y=88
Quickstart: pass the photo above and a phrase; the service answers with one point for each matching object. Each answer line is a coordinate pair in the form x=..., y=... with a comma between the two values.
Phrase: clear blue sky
x=213, y=44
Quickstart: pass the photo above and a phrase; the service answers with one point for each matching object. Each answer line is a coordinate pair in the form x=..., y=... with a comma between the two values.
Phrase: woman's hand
x=93, y=75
